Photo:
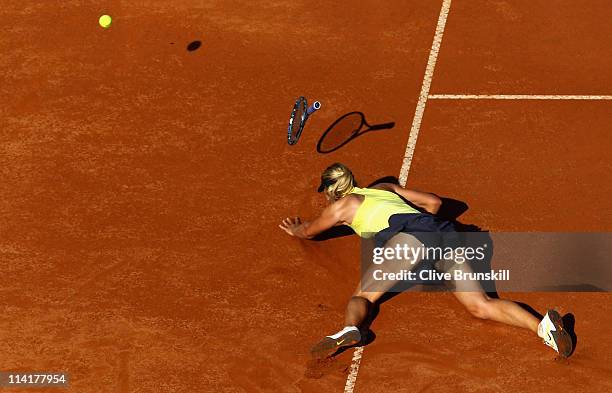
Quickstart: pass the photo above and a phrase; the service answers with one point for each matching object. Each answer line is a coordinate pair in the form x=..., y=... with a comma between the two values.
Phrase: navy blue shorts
x=432, y=231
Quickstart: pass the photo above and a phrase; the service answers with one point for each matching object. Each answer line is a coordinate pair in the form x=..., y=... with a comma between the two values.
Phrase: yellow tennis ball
x=105, y=21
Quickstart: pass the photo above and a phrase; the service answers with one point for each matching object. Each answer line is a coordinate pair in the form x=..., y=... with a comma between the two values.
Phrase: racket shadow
x=345, y=129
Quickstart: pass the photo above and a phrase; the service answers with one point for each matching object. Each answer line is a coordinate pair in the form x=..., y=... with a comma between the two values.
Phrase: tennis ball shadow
x=194, y=45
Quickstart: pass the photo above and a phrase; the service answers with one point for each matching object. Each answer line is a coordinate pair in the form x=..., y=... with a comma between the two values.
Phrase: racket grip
x=313, y=108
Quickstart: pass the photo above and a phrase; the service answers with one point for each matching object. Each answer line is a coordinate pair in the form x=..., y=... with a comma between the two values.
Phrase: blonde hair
x=337, y=181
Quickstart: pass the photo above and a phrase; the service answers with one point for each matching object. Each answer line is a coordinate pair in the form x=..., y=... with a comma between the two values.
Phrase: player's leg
x=357, y=311
x=473, y=297
x=500, y=310
x=359, y=306
x=368, y=292
x=550, y=329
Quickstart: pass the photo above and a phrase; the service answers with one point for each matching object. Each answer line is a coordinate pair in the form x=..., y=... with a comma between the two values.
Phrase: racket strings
x=297, y=122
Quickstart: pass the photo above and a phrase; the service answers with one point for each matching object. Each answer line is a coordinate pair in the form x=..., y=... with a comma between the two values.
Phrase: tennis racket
x=298, y=118
x=345, y=129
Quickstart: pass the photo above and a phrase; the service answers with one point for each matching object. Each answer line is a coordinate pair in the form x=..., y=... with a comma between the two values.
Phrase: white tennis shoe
x=346, y=337
x=554, y=335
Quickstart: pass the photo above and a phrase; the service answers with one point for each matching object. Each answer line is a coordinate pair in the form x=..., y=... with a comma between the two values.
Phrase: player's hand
x=290, y=225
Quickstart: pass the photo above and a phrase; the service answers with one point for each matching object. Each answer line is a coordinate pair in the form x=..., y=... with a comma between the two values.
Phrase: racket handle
x=313, y=108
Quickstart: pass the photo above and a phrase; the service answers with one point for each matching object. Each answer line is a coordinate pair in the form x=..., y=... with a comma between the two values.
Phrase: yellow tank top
x=372, y=216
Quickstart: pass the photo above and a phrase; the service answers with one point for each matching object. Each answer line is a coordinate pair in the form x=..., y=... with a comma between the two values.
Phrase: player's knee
x=479, y=309
x=362, y=298
x=370, y=297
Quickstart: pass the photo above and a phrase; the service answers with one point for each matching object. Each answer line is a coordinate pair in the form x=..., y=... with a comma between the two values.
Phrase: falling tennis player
x=381, y=212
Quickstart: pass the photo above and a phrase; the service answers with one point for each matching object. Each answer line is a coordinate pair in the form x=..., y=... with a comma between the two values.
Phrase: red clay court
x=142, y=186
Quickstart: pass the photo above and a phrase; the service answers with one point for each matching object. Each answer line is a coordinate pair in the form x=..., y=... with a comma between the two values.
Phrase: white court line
x=420, y=108
x=352, y=377
x=418, y=115
x=514, y=97
x=414, y=131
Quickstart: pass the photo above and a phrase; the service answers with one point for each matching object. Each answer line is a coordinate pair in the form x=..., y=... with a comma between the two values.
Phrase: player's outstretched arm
x=308, y=229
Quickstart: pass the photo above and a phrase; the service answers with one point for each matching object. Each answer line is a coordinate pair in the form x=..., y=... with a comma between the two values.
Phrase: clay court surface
x=142, y=186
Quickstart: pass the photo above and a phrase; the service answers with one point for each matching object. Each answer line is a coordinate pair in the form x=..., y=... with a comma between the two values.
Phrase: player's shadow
x=334, y=232
x=345, y=129
x=569, y=323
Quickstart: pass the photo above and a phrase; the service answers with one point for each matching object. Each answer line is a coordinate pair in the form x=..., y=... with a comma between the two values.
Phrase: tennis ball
x=105, y=21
